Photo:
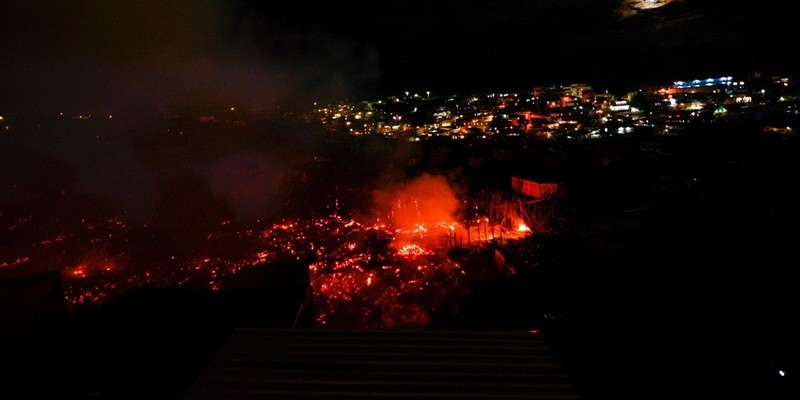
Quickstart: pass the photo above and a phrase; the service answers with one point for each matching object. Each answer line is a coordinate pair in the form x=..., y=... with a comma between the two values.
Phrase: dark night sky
x=118, y=55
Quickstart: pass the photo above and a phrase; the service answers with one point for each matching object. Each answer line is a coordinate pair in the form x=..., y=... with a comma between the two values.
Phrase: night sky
x=119, y=55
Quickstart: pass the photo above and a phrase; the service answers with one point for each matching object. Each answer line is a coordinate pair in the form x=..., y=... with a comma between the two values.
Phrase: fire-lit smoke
x=249, y=182
x=109, y=95
x=424, y=201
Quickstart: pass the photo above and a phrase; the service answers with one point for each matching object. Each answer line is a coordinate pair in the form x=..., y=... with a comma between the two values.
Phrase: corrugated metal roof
x=268, y=363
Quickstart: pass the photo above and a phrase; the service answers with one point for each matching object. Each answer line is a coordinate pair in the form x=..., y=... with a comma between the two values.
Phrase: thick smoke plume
x=129, y=70
x=427, y=200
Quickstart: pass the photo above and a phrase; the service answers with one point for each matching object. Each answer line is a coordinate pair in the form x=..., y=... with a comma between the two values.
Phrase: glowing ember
x=79, y=271
x=16, y=262
x=521, y=227
x=412, y=250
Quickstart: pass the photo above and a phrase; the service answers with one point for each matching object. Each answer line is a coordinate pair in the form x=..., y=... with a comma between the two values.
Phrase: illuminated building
x=709, y=85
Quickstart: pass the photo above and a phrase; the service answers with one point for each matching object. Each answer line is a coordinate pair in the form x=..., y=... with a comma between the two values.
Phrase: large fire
x=400, y=266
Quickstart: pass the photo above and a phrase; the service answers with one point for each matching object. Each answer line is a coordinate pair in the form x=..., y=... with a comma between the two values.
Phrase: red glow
x=364, y=275
x=392, y=269
x=16, y=262
x=412, y=250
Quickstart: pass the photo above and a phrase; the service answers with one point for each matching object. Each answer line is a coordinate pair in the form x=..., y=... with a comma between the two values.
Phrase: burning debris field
x=404, y=265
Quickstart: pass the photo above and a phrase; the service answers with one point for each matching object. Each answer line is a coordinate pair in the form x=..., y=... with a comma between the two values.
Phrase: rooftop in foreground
x=346, y=364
